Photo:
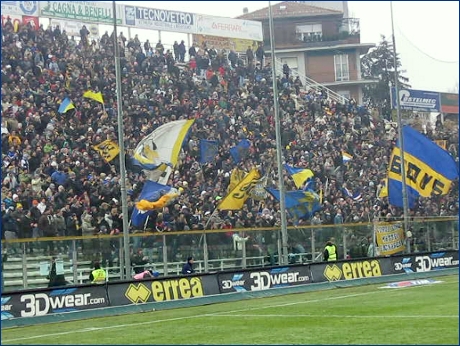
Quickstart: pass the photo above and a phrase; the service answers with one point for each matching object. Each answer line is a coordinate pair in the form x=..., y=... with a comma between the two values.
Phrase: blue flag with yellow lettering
x=208, y=151
x=429, y=169
x=300, y=204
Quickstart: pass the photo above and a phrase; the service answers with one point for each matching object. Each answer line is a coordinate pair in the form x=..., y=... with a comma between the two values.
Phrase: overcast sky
x=427, y=32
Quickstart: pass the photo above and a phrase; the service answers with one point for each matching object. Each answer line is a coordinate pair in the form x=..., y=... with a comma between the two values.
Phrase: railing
x=213, y=250
x=309, y=83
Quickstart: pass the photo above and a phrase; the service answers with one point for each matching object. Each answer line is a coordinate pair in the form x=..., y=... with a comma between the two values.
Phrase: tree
x=378, y=64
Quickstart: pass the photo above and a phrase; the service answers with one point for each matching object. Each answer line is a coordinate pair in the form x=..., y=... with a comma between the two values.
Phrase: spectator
x=187, y=268
x=330, y=251
x=55, y=280
x=98, y=275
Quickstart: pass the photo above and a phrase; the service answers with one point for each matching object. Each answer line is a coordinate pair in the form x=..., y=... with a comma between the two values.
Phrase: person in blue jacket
x=188, y=266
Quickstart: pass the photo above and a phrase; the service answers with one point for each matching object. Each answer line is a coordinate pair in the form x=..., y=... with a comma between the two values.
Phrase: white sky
x=427, y=32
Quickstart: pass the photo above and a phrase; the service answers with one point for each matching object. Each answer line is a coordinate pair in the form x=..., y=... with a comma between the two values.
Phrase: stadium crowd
x=55, y=183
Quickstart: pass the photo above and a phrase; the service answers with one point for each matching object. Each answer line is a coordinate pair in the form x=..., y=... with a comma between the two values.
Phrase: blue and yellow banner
x=237, y=196
x=239, y=151
x=299, y=175
x=108, y=149
x=429, y=169
x=299, y=204
x=66, y=105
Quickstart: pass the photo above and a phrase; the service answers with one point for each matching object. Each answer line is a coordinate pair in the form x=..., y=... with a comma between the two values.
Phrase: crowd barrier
x=41, y=302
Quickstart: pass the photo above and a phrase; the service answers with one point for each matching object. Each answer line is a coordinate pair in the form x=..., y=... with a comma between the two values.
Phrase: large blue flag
x=429, y=169
x=152, y=191
x=208, y=150
x=299, y=204
x=299, y=175
x=239, y=151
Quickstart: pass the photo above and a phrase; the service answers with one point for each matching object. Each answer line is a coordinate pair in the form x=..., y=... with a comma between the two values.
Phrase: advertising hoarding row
x=31, y=303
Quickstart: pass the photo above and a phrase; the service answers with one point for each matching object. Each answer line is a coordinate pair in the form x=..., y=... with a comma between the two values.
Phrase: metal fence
x=213, y=250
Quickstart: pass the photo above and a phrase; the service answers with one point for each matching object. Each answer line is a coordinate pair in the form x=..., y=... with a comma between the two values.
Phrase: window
x=342, y=72
x=344, y=93
x=292, y=63
x=311, y=32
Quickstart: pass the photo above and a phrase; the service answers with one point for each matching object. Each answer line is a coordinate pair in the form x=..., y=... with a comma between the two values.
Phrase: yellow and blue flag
x=161, y=147
x=235, y=178
x=239, y=151
x=384, y=189
x=151, y=192
x=299, y=175
x=94, y=96
x=429, y=169
x=237, y=196
x=299, y=204
x=346, y=157
x=208, y=151
x=108, y=149
x=66, y=105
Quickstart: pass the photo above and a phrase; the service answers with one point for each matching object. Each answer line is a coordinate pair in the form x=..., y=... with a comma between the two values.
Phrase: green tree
x=378, y=64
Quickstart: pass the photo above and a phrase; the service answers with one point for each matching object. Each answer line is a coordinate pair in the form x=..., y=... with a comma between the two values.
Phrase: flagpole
x=121, y=144
x=279, y=153
x=400, y=135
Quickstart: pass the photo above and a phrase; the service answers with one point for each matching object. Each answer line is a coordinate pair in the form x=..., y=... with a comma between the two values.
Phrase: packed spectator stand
x=54, y=183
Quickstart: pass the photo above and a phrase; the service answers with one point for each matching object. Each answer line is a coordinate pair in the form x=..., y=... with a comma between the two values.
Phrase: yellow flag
x=94, y=96
x=235, y=178
x=107, y=149
x=442, y=143
x=236, y=198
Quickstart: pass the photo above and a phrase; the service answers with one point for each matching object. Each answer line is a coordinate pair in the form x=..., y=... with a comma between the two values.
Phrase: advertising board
x=229, y=27
x=162, y=290
x=258, y=280
x=425, y=262
x=156, y=19
x=44, y=302
x=21, y=8
x=84, y=11
x=417, y=100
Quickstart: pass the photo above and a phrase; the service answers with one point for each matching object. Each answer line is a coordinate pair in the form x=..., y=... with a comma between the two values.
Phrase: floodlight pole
x=279, y=150
x=400, y=134
x=121, y=155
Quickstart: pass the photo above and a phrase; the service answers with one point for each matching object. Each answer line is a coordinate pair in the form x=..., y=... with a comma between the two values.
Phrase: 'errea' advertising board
x=157, y=19
x=417, y=100
x=425, y=262
x=351, y=269
x=257, y=280
x=44, y=302
x=162, y=290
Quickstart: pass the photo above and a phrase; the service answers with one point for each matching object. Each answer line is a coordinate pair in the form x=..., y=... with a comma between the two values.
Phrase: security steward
x=98, y=275
x=330, y=251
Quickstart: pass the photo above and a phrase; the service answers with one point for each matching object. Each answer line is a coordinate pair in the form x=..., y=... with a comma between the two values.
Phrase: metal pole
x=279, y=152
x=400, y=135
x=121, y=144
x=205, y=253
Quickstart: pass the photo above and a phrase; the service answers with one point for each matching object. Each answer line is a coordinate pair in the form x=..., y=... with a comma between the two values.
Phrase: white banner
x=84, y=11
x=156, y=19
x=22, y=8
x=73, y=28
x=229, y=27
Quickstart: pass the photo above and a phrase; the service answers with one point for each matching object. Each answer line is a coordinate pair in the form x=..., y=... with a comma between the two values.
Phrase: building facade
x=319, y=43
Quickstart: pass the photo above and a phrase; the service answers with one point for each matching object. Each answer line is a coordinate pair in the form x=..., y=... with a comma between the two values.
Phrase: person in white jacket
x=238, y=243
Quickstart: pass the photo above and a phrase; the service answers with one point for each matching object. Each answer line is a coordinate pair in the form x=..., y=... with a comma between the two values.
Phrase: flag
x=151, y=192
x=299, y=175
x=66, y=105
x=161, y=147
x=237, y=196
x=321, y=196
x=235, y=178
x=429, y=169
x=107, y=149
x=442, y=143
x=384, y=189
x=258, y=192
x=346, y=157
x=299, y=204
x=239, y=151
x=208, y=151
x=94, y=96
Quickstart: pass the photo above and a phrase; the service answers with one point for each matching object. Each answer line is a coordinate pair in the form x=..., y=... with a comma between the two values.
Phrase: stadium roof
x=289, y=9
